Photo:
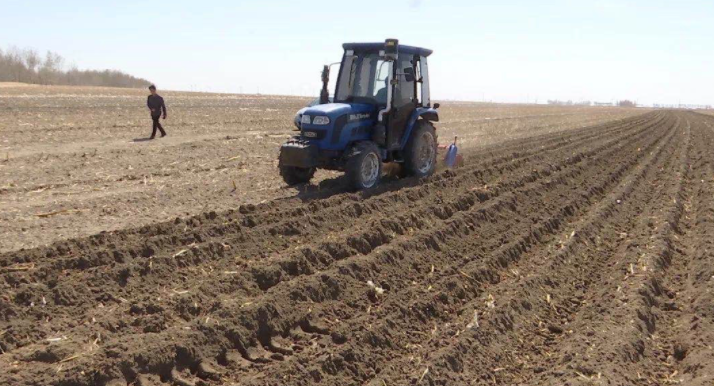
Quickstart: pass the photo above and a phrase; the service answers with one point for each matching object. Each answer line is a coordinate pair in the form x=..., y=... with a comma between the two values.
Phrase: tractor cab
x=380, y=112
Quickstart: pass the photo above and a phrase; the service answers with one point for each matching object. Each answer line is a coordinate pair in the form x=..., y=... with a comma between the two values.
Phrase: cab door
x=405, y=100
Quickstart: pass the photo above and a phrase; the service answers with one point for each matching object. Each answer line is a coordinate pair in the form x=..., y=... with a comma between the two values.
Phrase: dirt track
x=579, y=257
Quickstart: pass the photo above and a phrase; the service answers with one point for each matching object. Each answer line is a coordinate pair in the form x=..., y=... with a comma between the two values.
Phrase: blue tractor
x=380, y=112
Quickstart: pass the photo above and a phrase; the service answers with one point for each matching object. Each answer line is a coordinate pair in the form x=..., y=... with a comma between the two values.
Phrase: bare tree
x=16, y=66
x=32, y=60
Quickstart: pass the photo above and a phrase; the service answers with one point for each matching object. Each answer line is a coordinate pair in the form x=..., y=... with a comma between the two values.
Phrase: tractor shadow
x=390, y=182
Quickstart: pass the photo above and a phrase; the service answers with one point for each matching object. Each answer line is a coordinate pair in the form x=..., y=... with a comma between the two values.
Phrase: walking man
x=156, y=104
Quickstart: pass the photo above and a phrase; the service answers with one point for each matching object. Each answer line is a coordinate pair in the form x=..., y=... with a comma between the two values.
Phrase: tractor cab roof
x=402, y=49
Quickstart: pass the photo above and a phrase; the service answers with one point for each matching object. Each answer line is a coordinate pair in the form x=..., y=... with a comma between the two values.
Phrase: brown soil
x=573, y=257
x=74, y=160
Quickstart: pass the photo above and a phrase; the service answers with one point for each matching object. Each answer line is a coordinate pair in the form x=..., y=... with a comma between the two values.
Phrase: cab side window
x=380, y=82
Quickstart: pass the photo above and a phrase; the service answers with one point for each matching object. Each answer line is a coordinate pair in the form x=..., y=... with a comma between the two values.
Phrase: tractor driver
x=381, y=95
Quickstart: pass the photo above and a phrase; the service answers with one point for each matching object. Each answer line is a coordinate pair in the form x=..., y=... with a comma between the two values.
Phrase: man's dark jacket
x=157, y=106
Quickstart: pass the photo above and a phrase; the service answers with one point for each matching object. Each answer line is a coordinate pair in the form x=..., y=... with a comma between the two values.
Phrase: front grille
x=314, y=134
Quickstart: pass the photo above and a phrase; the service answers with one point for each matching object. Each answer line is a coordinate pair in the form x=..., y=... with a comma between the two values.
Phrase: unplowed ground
x=577, y=257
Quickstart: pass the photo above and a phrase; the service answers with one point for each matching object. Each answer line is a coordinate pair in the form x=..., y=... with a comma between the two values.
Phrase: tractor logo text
x=354, y=117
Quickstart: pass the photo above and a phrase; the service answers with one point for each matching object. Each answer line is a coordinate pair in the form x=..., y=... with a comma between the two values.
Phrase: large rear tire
x=293, y=175
x=420, y=151
x=364, y=166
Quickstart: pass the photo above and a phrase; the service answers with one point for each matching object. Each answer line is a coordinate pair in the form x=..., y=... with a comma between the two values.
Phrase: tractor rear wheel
x=364, y=166
x=420, y=151
x=293, y=175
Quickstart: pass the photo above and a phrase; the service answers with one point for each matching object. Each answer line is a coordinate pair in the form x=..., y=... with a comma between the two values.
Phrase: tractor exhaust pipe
x=324, y=94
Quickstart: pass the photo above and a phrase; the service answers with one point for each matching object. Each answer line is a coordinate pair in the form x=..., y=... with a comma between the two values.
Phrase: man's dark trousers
x=157, y=125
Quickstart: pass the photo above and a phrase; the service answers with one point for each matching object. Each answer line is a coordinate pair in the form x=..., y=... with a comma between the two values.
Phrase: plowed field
x=75, y=161
x=583, y=256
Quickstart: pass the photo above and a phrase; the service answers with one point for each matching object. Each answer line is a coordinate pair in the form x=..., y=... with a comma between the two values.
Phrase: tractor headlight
x=321, y=120
x=305, y=119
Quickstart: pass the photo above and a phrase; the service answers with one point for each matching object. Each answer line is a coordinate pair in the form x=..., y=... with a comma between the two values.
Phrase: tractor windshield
x=363, y=78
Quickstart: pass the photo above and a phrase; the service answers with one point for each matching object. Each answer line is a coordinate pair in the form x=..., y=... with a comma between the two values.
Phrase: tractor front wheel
x=420, y=152
x=293, y=175
x=364, y=166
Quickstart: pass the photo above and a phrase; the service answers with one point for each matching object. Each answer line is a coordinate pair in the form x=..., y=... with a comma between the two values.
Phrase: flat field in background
x=74, y=161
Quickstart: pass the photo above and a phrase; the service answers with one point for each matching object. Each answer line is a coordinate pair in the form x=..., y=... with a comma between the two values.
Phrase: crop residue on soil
x=74, y=161
x=574, y=257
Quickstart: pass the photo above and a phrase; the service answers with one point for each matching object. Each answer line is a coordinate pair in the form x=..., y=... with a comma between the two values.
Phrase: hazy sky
x=650, y=51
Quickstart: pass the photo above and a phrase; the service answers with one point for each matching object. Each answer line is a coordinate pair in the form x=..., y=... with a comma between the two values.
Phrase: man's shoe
x=152, y=137
x=163, y=135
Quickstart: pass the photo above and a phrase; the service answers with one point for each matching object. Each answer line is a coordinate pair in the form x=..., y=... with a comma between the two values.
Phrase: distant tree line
x=626, y=103
x=29, y=66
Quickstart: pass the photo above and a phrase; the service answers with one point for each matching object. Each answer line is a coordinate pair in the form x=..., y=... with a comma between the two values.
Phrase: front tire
x=420, y=151
x=364, y=166
x=293, y=175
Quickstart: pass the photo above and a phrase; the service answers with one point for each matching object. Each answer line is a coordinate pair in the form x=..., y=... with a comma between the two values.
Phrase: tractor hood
x=335, y=110
x=335, y=125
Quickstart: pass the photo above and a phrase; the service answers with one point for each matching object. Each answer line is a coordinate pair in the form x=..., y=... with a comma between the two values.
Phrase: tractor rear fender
x=426, y=113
